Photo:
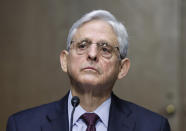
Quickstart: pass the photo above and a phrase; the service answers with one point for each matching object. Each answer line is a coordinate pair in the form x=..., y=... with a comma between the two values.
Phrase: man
x=95, y=58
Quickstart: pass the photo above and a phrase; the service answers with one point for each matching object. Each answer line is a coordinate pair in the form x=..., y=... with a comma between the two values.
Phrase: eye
x=82, y=45
x=105, y=48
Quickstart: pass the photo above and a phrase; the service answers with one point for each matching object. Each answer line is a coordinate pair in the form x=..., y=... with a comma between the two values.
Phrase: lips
x=89, y=68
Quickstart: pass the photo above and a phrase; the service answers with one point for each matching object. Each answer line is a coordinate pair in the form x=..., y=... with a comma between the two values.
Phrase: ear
x=124, y=68
x=64, y=60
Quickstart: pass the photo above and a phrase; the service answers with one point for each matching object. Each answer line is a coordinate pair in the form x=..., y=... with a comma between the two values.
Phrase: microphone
x=75, y=102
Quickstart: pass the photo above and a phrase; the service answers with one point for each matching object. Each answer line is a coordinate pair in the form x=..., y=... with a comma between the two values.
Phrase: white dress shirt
x=102, y=111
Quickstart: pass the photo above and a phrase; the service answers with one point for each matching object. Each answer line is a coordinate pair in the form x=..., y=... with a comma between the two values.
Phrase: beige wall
x=183, y=62
x=34, y=32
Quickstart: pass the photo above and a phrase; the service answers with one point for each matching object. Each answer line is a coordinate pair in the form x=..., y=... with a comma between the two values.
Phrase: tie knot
x=90, y=118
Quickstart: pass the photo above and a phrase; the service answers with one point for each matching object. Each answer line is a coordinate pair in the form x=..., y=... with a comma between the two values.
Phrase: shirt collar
x=78, y=111
x=102, y=111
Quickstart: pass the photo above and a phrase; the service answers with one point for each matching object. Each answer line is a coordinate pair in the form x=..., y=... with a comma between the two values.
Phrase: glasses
x=103, y=48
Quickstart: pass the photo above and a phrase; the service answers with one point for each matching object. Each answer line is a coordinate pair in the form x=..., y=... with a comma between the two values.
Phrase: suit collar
x=57, y=116
x=121, y=117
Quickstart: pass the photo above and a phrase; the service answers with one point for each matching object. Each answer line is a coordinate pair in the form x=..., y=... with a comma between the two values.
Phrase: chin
x=91, y=80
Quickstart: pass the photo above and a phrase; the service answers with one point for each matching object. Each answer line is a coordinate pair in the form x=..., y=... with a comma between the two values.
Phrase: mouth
x=92, y=69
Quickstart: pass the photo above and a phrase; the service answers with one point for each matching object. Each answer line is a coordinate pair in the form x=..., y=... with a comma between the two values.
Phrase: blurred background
x=33, y=33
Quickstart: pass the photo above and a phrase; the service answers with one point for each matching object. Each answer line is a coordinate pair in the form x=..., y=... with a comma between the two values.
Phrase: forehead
x=96, y=30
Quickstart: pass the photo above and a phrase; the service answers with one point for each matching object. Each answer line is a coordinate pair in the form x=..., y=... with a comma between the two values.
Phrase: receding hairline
x=95, y=20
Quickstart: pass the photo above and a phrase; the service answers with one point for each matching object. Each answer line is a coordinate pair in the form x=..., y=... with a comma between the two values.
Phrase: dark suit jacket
x=124, y=116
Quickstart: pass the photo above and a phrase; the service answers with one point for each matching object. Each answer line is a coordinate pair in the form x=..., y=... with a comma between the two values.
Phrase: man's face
x=91, y=68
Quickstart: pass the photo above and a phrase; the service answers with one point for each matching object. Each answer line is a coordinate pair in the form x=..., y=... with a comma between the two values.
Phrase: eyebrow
x=100, y=41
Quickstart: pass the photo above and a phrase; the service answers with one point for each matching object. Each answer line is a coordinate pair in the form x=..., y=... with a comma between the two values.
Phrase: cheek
x=110, y=68
x=74, y=64
x=71, y=64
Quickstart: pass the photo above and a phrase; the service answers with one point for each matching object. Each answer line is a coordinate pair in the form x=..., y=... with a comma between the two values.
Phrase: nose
x=93, y=52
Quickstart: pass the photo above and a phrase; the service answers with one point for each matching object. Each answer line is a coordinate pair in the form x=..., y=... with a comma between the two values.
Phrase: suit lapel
x=121, y=117
x=57, y=118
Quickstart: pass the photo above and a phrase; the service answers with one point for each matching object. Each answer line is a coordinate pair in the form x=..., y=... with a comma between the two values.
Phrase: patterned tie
x=90, y=119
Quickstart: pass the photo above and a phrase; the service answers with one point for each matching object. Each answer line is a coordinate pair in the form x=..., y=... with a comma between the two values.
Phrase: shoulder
x=142, y=116
x=36, y=116
x=132, y=107
x=42, y=110
x=33, y=114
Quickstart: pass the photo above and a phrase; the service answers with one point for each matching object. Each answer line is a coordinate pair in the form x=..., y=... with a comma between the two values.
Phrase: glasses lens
x=103, y=48
x=82, y=47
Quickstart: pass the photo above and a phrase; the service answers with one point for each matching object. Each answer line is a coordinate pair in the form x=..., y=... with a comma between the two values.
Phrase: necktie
x=90, y=119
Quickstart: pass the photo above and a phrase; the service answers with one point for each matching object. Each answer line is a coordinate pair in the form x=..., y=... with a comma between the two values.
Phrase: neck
x=91, y=100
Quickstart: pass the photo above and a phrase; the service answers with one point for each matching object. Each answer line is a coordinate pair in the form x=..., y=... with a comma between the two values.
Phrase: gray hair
x=117, y=26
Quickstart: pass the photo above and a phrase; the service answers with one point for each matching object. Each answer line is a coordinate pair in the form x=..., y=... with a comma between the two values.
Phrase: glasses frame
x=74, y=44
